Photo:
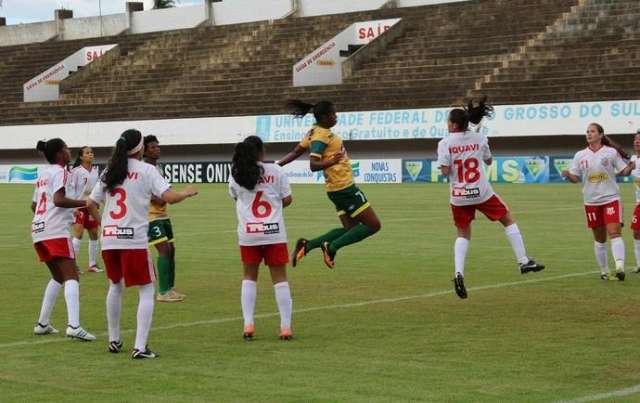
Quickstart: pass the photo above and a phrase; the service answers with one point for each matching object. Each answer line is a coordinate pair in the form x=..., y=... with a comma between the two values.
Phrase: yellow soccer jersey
x=324, y=144
x=157, y=212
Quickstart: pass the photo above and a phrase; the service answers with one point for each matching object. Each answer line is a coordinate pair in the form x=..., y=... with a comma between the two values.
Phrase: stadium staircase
x=516, y=51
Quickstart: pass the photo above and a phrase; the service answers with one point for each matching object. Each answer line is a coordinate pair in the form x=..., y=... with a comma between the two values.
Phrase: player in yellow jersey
x=327, y=154
x=161, y=232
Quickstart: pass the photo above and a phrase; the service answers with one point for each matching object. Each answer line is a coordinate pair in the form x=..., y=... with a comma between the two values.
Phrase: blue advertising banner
x=533, y=169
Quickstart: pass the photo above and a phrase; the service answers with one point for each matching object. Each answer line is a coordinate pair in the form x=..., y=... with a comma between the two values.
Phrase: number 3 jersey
x=259, y=211
x=49, y=221
x=125, y=220
x=464, y=154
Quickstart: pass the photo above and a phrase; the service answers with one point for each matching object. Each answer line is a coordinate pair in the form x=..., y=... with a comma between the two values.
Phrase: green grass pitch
x=384, y=326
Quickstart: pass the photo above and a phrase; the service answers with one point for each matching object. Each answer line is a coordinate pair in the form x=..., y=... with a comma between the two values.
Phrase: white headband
x=137, y=148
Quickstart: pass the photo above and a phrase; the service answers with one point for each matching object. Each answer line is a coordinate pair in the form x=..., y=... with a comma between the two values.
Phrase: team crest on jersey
x=262, y=228
x=470, y=193
x=113, y=231
x=604, y=162
x=37, y=227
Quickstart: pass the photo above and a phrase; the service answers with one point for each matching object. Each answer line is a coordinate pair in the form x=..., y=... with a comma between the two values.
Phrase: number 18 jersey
x=125, y=220
x=464, y=154
x=259, y=211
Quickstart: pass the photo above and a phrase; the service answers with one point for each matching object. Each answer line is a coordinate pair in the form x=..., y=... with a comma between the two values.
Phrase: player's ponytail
x=300, y=109
x=479, y=110
x=606, y=140
x=78, y=160
x=129, y=144
x=50, y=149
x=244, y=167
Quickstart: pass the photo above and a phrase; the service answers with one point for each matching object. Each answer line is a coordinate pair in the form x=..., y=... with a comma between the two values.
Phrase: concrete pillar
x=132, y=7
x=59, y=16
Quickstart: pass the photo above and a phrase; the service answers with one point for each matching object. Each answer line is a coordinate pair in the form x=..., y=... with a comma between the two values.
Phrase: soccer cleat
x=620, y=274
x=458, y=283
x=285, y=334
x=115, y=346
x=299, y=252
x=42, y=330
x=142, y=354
x=329, y=259
x=531, y=266
x=169, y=296
x=79, y=333
x=178, y=293
x=249, y=332
x=608, y=277
x=94, y=269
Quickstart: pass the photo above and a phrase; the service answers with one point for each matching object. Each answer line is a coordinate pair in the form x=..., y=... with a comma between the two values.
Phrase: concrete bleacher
x=516, y=51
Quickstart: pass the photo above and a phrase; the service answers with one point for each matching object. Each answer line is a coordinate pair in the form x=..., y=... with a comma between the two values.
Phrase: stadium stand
x=516, y=51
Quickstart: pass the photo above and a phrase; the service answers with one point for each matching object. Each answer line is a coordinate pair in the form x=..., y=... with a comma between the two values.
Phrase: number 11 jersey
x=464, y=154
x=259, y=211
x=125, y=220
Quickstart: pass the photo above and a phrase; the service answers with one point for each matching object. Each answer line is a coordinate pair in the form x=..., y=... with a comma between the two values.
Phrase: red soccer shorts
x=599, y=216
x=134, y=265
x=85, y=219
x=635, y=222
x=494, y=208
x=54, y=248
x=273, y=255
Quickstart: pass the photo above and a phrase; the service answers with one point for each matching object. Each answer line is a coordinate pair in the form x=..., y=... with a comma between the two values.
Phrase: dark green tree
x=163, y=4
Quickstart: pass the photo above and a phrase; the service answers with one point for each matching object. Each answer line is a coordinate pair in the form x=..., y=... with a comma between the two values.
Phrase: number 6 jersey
x=465, y=153
x=125, y=220
x=260, y=218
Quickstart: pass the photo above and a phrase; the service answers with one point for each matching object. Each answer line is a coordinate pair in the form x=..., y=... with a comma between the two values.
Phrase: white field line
x=59, y=339
x=608, y=395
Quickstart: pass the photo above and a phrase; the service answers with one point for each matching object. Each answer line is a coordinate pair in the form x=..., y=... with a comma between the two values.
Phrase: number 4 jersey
x=49, y=221
x=465, y=153
x=125, y=220
x=260, y=218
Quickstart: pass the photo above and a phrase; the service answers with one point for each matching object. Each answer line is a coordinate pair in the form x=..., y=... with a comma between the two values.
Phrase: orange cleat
x=299, y=252
x=249, y=332
x=329, y=259
x=285, y=334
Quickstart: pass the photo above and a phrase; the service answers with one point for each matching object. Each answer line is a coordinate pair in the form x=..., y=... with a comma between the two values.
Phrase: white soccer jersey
x=598, y=173
x=84, y=181
x=125, y=220
x=465, y=153
x=49, y=221
x=635, y=174
x=259, y=211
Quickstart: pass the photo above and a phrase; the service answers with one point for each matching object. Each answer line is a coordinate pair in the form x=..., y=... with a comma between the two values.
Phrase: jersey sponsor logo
x=37, y=227
x=262, y=228
x=113, y=231
x=467, y=193
x=463, y=148
x=598, y=177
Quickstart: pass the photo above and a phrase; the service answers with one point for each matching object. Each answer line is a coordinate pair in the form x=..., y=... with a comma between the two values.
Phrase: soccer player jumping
x=460, y=157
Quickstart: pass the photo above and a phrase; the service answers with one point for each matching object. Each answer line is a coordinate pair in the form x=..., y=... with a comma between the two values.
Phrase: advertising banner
x=19, y=173
x=196, y=172
x=534, y=169
x=364, y=171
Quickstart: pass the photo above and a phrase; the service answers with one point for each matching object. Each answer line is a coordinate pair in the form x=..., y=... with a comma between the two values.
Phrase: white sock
x=76, y=246
x=93, y=253
x=49, y=301
x=617, y=250
x=114, y=307
x=285, y=304
x=145, y=315
x=72, y=298
x=600, y=250
x=517, y=244
x=248, y=300
x=460, y=252
x=636, y=250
